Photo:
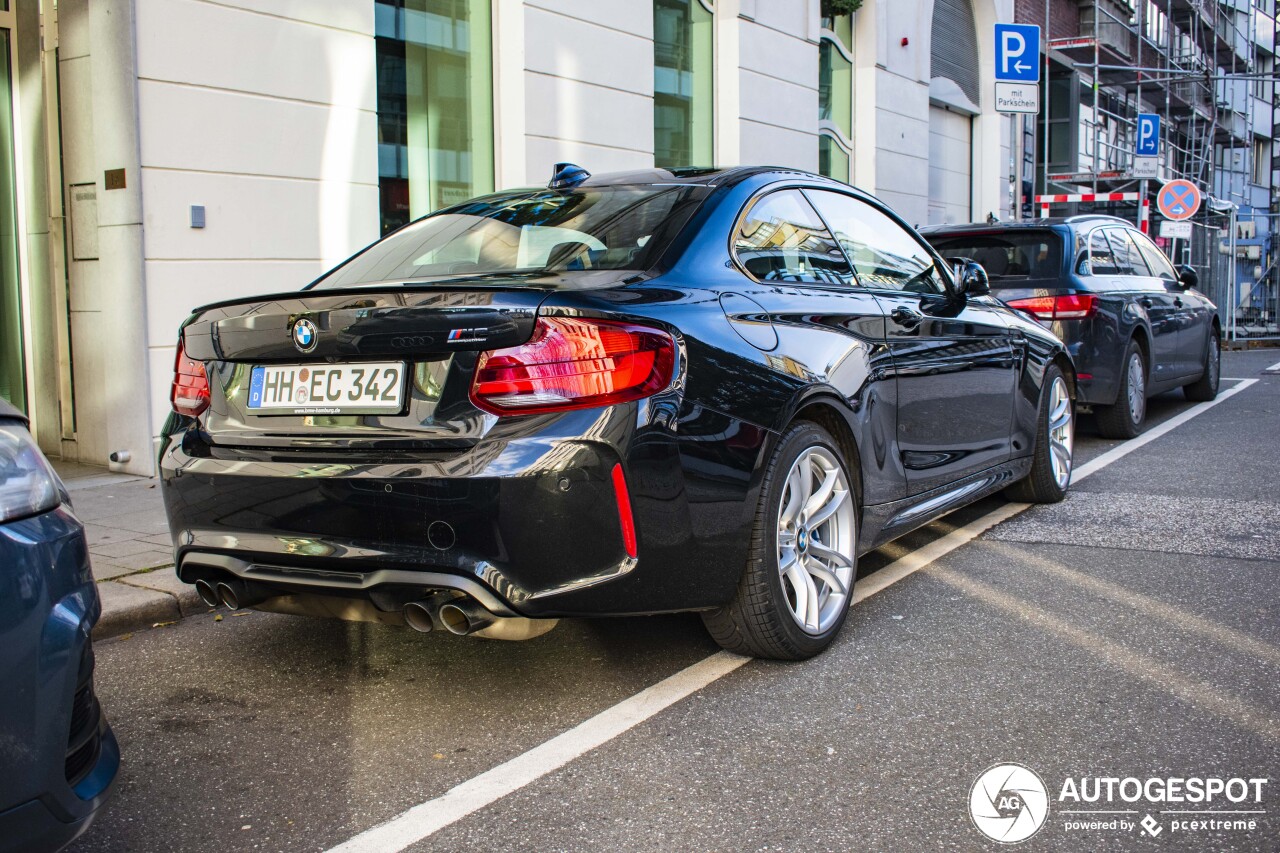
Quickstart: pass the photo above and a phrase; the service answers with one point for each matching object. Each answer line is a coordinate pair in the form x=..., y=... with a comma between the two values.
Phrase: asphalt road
x=1131, y=631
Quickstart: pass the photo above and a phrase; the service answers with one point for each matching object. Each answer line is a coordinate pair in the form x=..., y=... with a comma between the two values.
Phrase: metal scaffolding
x=1203, y=66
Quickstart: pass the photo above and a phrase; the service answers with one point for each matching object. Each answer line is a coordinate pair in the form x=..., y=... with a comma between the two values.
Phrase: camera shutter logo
x=305, y=336
x=1008, y=803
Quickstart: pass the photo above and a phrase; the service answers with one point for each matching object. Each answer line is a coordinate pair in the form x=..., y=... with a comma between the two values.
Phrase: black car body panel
x=58, y=753
x=932, y=414
x=1171, y=322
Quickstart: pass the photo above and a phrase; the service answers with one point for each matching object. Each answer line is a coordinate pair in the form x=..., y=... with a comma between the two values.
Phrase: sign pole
x=1143, y=224
x=1016, y=124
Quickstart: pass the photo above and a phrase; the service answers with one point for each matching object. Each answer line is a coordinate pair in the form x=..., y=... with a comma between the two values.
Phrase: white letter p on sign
x=1007, y=50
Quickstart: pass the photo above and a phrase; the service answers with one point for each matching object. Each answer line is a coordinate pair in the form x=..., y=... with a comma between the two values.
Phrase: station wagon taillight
x=1072, y=306
x=574, y=363
x=190, y=392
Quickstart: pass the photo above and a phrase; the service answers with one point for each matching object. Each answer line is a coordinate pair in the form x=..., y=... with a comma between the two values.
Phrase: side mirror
x=971, y=278
x=1188, y=277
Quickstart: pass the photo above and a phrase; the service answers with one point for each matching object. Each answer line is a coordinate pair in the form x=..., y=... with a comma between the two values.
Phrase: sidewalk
x=130, y=549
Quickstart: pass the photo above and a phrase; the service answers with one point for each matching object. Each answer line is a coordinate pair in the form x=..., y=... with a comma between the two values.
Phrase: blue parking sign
x=1148, y=141
x=1018, y=53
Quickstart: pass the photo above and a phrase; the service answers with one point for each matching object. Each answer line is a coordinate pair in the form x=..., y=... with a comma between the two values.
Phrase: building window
x=683, y=83
x=835, y=97
x=435, y=105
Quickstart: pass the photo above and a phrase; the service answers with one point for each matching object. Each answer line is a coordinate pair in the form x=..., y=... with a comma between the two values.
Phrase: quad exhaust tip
x=237, y=594
x=465, y=616
x=208, y=594
x=417, y=615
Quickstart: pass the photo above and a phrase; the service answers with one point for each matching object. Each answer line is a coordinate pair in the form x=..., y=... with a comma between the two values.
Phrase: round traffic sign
x=1178, y=200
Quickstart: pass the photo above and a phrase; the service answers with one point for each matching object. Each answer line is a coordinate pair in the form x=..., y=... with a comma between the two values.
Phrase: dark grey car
x=1134, y=325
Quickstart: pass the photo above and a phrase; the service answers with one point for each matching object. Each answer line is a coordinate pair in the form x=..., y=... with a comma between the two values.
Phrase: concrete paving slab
x=118, y=499
x=150, y=559
x=120, y=548
x=105, y=570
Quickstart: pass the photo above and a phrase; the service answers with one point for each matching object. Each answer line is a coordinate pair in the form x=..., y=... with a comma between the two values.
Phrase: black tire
x=757, y=622
x=1041, y=486
x=1118, y=421
x=1205, y=388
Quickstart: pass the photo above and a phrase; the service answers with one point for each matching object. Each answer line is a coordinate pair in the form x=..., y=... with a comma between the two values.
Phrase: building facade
x=158, y=155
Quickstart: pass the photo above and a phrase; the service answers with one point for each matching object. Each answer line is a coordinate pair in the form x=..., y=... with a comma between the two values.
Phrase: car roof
x=712, y=177
x=1079, y=222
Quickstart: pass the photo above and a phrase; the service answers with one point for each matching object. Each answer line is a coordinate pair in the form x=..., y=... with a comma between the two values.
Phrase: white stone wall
x=778, y=83
x=588, y=85
x=264, y=112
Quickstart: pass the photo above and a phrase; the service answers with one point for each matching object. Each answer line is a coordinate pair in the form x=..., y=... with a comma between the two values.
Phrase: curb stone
x=126, y=608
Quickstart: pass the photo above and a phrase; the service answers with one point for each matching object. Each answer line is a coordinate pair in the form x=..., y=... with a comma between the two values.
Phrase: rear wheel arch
x=1143, y=339
x=825, y=412
x=1063, y=362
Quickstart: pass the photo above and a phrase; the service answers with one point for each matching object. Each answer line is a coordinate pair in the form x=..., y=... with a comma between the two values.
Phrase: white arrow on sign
x=1021, y=66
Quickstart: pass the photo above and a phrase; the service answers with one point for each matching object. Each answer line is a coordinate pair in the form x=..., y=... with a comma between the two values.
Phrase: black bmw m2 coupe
x=686, y=390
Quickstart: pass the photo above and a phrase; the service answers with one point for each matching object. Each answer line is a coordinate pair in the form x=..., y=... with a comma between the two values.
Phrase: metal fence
x=1248, y=303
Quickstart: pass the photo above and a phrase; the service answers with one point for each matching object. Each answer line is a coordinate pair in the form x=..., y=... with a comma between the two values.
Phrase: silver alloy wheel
x=1137, y=389
x=1062, y=432
x=817, y=536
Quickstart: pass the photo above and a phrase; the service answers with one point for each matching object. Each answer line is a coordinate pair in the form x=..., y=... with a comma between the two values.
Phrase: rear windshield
x=1007, y=255
x=533, y=231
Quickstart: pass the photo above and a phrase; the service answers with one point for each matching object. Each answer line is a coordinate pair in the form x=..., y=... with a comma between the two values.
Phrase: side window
x=1161, y=266
x=885, y=255
x=1102, y=261
x=782, y=239
x=1128, y=258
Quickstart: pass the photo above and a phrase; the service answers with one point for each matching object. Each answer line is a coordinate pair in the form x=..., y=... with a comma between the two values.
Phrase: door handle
x=906, y=317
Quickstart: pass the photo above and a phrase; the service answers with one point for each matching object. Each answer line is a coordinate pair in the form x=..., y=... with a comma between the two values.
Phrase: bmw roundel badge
x=305, y=336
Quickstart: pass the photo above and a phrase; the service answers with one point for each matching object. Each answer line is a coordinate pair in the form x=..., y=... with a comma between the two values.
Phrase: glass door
x=12, y=367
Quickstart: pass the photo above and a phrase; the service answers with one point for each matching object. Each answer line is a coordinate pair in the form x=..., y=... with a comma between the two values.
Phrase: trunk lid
x=428, y=338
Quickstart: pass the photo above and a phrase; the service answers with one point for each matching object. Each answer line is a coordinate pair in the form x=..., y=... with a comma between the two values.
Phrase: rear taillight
x=574, y=363
x=190, y=392
x=1073, y=306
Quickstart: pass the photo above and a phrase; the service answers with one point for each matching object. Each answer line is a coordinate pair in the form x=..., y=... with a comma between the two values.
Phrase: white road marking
x=1275, y=368
x=425, y=819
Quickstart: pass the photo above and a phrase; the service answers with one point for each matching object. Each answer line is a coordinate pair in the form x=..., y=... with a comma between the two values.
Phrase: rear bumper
x=526, y=522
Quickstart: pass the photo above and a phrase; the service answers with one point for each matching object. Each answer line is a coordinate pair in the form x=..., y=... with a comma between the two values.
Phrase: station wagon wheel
x=1124, y=418
x=795, y=591
x=1053, y=455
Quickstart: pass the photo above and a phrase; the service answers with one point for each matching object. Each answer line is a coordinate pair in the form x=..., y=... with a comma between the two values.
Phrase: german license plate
x=327, y=389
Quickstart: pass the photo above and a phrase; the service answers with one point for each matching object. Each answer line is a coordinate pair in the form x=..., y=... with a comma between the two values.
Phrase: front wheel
x=1205, y=388
x=1124, y=419
x=795, y=590
x=1055, y=444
